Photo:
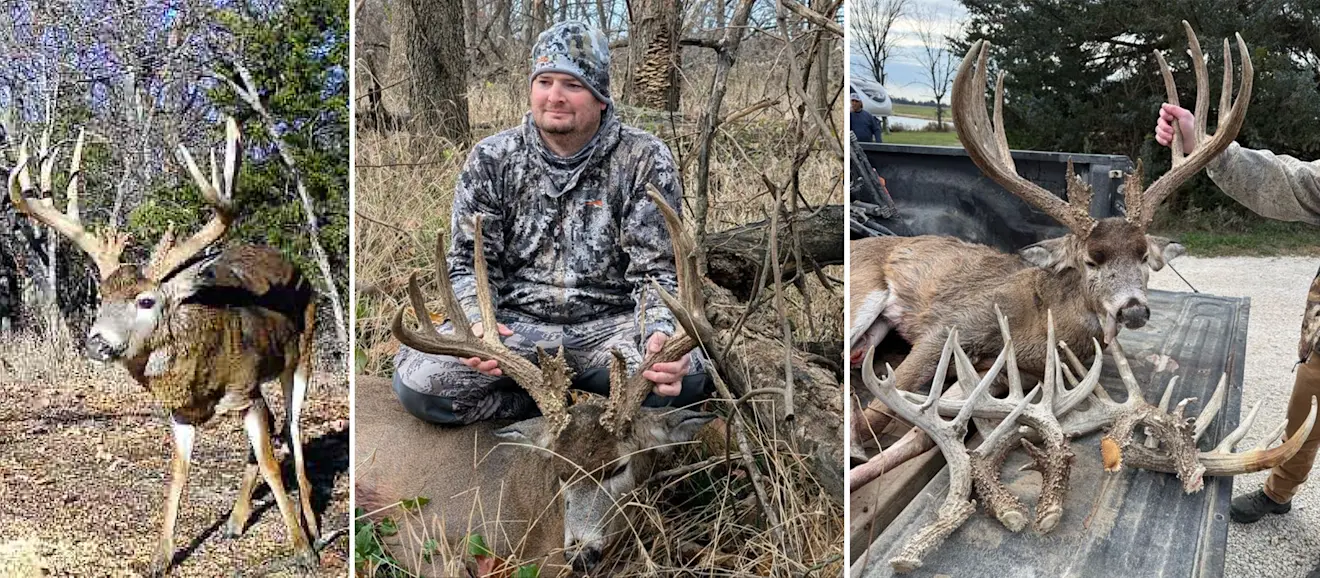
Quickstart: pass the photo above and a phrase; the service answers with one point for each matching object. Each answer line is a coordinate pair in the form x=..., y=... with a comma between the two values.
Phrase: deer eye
x=618, y=470
x=146, y=303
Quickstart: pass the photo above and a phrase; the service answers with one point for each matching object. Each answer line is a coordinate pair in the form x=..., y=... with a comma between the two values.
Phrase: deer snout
x=1134, y=314
x=583, y=558
x=99, y=348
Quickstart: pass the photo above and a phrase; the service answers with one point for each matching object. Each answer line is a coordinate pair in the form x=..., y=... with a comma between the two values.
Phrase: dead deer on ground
x=1061, y=414
x=1093, y=278
x=200, y=332
x=599, y=451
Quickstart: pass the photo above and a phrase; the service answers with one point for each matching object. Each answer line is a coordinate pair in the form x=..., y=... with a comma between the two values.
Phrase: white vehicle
x=874, y=97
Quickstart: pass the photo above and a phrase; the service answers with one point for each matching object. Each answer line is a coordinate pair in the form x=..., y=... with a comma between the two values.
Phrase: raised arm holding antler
x=1278, y=187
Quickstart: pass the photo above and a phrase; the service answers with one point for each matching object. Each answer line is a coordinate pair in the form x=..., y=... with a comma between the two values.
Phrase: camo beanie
x=577, y=49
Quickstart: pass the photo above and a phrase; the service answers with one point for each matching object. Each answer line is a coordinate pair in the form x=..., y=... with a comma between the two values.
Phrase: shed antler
x=548, y=384
x=949, y=436
x=104, y=248
x=218, y=193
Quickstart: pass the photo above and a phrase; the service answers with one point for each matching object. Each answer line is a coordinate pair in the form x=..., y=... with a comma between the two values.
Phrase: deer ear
x=528, y=431
x=1047, y=254
x=682, y=425
x=1161, y=251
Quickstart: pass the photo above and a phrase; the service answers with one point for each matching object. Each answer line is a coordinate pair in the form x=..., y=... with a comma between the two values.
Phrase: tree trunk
x=734, y=256
x=653, y=53
x=438, y=89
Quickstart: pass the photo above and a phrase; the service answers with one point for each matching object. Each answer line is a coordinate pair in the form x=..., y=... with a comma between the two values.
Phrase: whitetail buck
x=594, y=453
x=1093, y=278
x=201, y=332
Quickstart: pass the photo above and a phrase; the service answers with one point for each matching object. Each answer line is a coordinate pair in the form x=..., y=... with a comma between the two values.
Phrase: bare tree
x=933, y=28
x=438, y=90
x=870, y=23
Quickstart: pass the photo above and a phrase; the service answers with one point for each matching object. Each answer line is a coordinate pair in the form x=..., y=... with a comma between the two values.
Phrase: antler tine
x=220, y=198
x=1222, y=461
x=1065, y=401
x=104, y=249
x=941, y=372
x=1211, y=408
x=1079, y=191
x=1184, y=168
x=989, y=150
x=1202, y=81
x=1014, y=377
x=1001, y=137
x=1226, y=90
x=1230, y=441
x=1125, y=372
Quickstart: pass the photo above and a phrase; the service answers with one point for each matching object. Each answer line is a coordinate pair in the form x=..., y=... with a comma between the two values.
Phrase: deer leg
x=183, y=434
x=295, y=391
x=257, y=424
x=242, y=510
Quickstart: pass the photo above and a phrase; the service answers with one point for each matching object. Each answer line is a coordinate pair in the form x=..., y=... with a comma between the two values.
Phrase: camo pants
x=440, y=389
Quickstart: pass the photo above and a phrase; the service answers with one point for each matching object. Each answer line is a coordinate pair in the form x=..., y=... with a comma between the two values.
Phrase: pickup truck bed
x=1145, y=525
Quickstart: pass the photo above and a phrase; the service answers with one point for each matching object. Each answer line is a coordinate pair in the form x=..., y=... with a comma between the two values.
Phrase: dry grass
x=86, y=464
x=709, y=520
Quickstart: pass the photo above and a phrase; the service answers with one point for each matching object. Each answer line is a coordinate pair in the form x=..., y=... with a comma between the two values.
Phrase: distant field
x=946, y=139
x=918, y=111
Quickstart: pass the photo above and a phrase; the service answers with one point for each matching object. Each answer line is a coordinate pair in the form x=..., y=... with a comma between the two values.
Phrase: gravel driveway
x=1277, y=546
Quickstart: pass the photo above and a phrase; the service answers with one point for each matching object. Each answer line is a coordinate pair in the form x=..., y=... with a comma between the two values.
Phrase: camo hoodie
x=568, y=240
x=1279, y=187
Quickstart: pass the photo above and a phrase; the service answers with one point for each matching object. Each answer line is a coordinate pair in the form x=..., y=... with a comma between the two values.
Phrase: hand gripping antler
x=548, y=384
x=987, y=145
x=1230, y=122
x=218, y=193
x=104, y=248
x=949, y=436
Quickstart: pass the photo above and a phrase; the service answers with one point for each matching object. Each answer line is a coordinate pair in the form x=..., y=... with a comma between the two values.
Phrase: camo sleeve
x=475, y=193
x=646, y=240
x=1274, y=186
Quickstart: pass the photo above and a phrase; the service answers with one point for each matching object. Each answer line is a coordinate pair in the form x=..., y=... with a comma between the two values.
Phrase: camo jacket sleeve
x=475, y=194
x=646, y=240
x=1274, y=186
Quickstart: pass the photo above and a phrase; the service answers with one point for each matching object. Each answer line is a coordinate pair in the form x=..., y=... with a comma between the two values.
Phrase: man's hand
x=489, y=367
x=667, y=377
x=1186, y=127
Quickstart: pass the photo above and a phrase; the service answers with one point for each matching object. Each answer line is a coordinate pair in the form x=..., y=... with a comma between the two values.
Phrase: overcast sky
x=906, y=78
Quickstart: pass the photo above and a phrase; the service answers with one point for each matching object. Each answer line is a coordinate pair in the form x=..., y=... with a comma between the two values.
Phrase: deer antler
x=1230, y=122
x=548, y=384
x=689, y=310
x=105, y=248
x=1053, y=460
x=219, y=194
x=1222, y=460
x=987, y=145
x=948, y=435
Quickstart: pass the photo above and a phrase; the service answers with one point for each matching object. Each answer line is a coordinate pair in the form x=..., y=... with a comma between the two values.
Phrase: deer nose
x=1134, y=314
x=583, y=558
x=98, y=349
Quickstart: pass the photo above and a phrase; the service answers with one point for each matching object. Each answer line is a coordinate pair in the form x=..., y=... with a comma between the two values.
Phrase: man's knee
x=431, y=408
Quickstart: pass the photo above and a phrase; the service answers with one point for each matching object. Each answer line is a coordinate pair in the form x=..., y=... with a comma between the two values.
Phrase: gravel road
x=1278, y=546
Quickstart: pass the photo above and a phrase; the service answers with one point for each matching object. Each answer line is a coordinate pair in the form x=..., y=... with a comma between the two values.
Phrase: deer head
x=603, y=447
x=1114, y=255
x=134, y=299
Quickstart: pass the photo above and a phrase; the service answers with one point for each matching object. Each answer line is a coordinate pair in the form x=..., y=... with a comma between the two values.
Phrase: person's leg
x=1286, y=478
x=440, y=389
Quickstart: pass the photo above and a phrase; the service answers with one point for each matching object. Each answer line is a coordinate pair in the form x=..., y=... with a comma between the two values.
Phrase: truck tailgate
x=1144, y=524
